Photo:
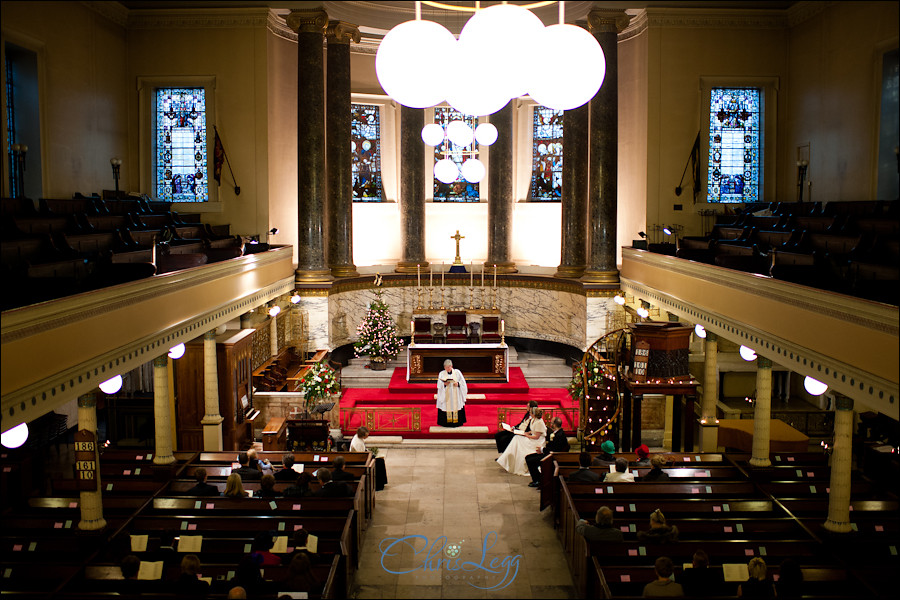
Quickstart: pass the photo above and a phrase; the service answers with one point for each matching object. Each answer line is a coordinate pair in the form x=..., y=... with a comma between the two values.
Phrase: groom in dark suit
x=556, y=442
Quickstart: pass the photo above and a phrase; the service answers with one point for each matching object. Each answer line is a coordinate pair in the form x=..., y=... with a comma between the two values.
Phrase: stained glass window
x=735, y=135
x=181, y=173
x=546, y=172
x=459, y=190
x=365, y=135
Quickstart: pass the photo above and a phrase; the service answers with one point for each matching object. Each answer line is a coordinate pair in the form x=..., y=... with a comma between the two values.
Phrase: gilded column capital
x=341, y=32
x=88, y=400
x=307, y=21
x=210, y=335
x=763, y=363
x=607, y=21
x=842, y=402
x=161, y=361
x=711, y=337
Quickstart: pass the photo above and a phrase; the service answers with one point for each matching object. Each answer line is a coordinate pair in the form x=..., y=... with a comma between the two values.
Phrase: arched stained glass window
x=180, y=145
x=365, y=144
x=547, y=155
x=459, y=190
x=735, y=145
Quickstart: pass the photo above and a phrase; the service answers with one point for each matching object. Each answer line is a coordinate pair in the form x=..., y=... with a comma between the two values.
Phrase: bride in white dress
x=528, y=442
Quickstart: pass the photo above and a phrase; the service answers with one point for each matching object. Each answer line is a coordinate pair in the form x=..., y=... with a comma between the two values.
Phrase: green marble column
x=337, y=151
x=604, y=154
x=310, y=27
x=573, y=242
x=412, y=190
x=500, y=190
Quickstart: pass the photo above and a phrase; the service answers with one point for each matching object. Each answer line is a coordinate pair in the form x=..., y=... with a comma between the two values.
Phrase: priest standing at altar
x=451, y=396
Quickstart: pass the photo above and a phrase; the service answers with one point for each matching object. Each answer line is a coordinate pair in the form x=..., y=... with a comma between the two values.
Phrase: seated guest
x=300, y=577
x=656, y=473
x=331, y=489
x=358, y=443
x=663, y=587
x=556, y=442
x=504, y=437
x=248, y=576
x=247, y=471
x=621, y=474
x=790, y=580
x=202, y=488
x=606, y=457
x=188, y=584
x=603, y=531
x=287, y=473
x=261, y=548
x=643, y=456
x=237, y=593
x=338, y=473
x=263, y=466
x=584, y=472
x=234, y=487
x=700, y=580
x=757, y=585
x=300, y=487
x=267, y=487
x=130, y=566
x=659, y=533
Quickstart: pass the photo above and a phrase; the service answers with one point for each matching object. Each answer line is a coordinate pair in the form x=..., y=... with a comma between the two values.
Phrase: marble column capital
x=161, y=361
x=842, y=402
x=763, y=363
x=607, y=21
x=88, y=400
x=711, y=337
x=307, y=21
x=342, y=32
x=210, y=335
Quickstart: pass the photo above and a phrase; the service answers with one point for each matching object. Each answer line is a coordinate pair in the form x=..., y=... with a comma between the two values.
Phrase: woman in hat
x=643, y=456
x=606, y=457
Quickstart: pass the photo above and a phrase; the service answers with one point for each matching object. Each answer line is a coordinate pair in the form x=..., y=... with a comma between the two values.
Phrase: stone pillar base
x=316, y=276
x=163, y=460
x=212, y=434
x=411, y=267
x=760, y=462
x=601, y=277
x=92, y=525
x=570, y=271
x=709, y=438
x=502, y=267
x=344, y=271
x=836, y=527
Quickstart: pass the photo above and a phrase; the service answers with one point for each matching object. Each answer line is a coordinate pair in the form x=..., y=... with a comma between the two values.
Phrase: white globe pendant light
x=474, y=90
x=112, y=385
x=814, y=386
x=473, y=170
x=571, y=66
x=460, y=133
x=176, y=352
x=446, y=171
x=14, y=437
x=747, y=353
x=700, y=331
x=486, y=133
x=405, y=63
x=433, y=134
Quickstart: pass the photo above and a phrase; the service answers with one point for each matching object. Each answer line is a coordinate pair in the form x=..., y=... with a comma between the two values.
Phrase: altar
x=478, y=362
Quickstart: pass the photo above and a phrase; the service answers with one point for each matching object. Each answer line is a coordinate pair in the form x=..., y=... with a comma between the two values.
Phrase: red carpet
x=517, y=384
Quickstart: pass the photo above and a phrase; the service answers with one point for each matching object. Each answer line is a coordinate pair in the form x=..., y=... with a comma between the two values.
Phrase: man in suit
x=202, y=488
x=556, y=442
x=339, y=474
x=287, y=473
x=331, y=489
x=584, y=472
x=247, y=472
x=603, y=531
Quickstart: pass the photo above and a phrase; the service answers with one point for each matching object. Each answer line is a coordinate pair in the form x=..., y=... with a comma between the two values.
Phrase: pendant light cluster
x=460, y=134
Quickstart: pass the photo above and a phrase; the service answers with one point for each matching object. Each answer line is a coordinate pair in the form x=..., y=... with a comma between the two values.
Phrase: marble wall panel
x=316, y=308
x=603, y=316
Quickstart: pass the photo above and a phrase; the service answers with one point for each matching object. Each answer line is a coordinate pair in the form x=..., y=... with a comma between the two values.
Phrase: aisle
x=461, y=494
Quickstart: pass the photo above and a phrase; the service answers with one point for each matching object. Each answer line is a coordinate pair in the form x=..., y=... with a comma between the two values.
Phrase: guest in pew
x=603, y=531
x=656, y=473
x=246, y=471
x=557, y=441
x=584, y=472
x=202, y=488
x=263, y=466
x=331, y=489
x=188, y=585
x=700, y=580
x=606, y=457
x=621, y=475
x=300, y=488
x=237, y=593
x=267, y=487
x=261, y=548
x=504, y=437
x=758, y=584
x=358, y=443
x=643, y=456
x=790, y=580
x=234, y=487
x=287, y=473
x=300, y=576
x=248, y=576
x=130, y=566
x=664, y=586
x=659, y=532
x=338, y=473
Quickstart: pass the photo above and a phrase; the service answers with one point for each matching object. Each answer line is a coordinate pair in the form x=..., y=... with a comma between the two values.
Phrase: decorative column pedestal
x=161, y=412
x=501, y=197
x=412, y=191
x=841, y=459
x=762, y=416
x=709, y=431
x=212, y=420
x=91, y=502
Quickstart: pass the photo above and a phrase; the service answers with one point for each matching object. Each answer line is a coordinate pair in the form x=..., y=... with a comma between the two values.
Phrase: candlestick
x=442, y=274
x=502, y=325
x=430, y=276
x=482, y=276
x=471, y=274
x=412, y=331
x=495, y=275
x=418, y=275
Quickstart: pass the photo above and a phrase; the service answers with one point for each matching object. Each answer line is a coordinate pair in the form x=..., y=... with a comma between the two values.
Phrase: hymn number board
x=641, y=358
x=86, y=460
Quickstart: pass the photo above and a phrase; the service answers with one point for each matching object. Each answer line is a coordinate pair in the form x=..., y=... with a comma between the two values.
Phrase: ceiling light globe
x=700, y=331
x=643, y=312
x=111, y=386
x=446, y=171
x=564, y=83
x=486, y=133
x=405, y=61
x=460, y=133
x=619, y=299
x=747, y=353
x=814, y=386
x=473, y=170
x=14, y=437
x=176, y=352
x=433, y=134
x=476, y=90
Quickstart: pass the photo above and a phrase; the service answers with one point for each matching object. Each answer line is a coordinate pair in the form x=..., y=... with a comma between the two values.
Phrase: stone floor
x=462, y=495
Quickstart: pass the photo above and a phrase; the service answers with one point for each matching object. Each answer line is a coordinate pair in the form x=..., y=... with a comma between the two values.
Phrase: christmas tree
x=378, y=337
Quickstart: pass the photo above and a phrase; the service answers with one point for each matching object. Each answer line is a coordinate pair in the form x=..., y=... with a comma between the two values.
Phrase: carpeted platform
x=517, y=384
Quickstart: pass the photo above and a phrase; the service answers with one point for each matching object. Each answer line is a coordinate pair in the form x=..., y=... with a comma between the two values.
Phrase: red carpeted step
x=517, y=384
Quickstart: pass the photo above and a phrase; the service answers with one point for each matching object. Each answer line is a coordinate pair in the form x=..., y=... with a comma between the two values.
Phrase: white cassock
x=357, y=445
x=451, y=398
x=513, y=458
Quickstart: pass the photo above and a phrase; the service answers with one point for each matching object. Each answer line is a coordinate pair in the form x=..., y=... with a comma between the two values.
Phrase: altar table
x=478, y=362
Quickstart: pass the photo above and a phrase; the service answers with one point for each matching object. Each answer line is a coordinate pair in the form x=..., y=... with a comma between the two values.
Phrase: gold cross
x=457, y=237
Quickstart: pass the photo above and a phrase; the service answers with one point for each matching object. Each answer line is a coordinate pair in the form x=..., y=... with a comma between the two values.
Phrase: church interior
x=267, y=226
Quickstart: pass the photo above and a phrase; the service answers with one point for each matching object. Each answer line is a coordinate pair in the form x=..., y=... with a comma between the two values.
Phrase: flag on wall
x=218, y=159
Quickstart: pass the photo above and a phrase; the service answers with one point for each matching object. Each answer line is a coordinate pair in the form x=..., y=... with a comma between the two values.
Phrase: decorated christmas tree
x=378, y=337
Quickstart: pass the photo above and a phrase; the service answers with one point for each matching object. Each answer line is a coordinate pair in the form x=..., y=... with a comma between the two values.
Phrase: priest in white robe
x=451, y=396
